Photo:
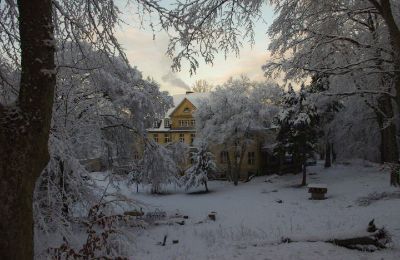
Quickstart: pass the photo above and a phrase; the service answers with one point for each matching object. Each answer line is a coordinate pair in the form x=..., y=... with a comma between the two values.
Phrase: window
x=183, y=123
x=155, y=137
x=167, y=138
x=224, y=156
x=251, y=158
x=192, y=136
x=192, y=122
x=156, y=124
x=182, y=138
x=167, y=123
x=186, y=110
x=135, y=155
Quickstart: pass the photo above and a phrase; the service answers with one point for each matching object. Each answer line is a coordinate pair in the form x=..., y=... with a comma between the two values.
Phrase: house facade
x=179, y=125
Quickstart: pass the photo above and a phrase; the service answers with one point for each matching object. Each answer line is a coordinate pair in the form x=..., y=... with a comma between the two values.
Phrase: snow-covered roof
x=194, y=98
x=161, y=128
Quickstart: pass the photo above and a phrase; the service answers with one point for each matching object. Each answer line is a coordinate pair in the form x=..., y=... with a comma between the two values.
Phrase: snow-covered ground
x=250, y=221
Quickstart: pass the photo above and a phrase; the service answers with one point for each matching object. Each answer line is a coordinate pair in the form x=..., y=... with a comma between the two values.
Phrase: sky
x=148, y=55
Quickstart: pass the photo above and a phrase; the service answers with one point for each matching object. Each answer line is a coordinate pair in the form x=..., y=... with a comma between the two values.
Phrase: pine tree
x=327, y=107
x=203, y=165
x=297, y=123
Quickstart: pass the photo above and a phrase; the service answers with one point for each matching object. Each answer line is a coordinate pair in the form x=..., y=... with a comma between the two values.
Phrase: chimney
x=189, y=92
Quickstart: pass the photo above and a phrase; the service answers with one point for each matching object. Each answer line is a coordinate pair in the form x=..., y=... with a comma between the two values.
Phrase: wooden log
x=379, y=239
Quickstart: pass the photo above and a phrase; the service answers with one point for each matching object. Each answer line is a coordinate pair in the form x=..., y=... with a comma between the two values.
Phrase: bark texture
x=385, y=9
x=24, y=129
x=388, y=148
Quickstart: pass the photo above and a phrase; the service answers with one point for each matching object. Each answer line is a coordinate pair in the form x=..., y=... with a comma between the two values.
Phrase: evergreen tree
x=327, y=107
x=297, y=134
x=203, y=165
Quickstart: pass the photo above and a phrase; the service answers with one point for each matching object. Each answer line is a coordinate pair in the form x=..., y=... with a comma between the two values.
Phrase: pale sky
x=148, y=55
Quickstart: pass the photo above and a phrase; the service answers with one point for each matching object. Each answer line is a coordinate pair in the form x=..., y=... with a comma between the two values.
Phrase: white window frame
x=167, y=138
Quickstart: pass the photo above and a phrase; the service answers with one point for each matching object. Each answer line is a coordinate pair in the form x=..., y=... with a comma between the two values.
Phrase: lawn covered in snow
x=252, y=217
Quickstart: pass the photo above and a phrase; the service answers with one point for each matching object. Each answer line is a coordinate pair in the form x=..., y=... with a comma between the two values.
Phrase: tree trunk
x=328, y=162
x=333, y=153
x=235, y=176
x=304, y=179
x=24, y=129
x=205, y=185
x=63, y=187
x=235, y=170
x=229, y=173
x=388, y=148
x=322, y=151
x=385, y=9
x=238, y=164
x=281, y=161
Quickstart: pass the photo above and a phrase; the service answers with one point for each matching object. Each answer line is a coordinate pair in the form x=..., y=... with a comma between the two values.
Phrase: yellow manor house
x=178, y=125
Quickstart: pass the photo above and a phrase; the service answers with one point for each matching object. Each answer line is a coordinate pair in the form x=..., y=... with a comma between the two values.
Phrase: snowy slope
x=250, y=221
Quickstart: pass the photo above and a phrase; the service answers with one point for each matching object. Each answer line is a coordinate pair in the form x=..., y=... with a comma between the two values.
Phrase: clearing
x=253, y=217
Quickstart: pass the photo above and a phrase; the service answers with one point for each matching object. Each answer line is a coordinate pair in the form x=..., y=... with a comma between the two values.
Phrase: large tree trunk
x=384, y=111
x=24, y=129
x=385, y=9
x=388, y=148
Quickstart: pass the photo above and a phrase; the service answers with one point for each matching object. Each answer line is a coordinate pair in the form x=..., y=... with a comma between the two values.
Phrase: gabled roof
x=194, y=98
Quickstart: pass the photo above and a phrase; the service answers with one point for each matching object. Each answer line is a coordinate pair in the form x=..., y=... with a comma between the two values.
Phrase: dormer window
x=167, y=123
x=156, y=124
x=186, y=110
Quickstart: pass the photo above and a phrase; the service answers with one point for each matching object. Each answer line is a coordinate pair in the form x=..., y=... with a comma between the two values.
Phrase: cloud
x=174, y=80
x=148, y=55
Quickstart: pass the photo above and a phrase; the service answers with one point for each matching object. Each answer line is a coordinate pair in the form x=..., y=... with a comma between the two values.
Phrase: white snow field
x=250, y=221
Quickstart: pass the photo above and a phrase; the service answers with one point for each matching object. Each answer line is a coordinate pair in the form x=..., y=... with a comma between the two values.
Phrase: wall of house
x=247, y=168
x=173, y=136
x=183, y=112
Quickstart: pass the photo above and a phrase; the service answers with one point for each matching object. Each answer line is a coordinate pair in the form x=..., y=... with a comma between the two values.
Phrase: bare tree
x=202, y=86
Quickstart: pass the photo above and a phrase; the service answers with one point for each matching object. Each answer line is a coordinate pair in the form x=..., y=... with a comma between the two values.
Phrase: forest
x=80, y=177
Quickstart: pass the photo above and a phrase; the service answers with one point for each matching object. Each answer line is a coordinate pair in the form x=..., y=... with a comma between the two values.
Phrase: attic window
x=156, y=124
x=186, y=110
x=166, y=123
